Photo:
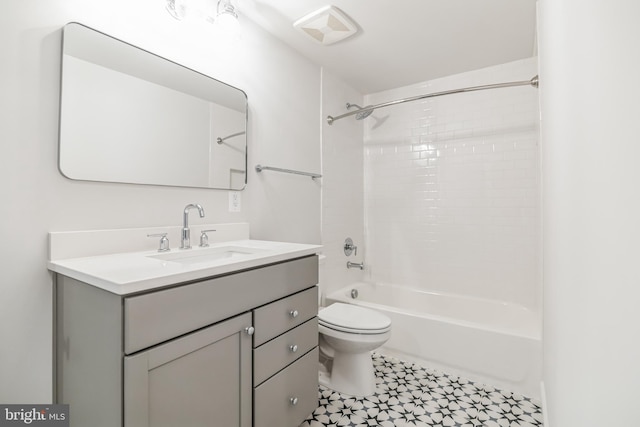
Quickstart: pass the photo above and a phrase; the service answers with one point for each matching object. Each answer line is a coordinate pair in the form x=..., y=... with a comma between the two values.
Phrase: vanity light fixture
x=227, y=16
x=222, y=13
x=176, y=8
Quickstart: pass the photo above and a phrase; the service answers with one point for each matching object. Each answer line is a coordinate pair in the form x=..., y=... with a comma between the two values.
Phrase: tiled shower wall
x=451, y=184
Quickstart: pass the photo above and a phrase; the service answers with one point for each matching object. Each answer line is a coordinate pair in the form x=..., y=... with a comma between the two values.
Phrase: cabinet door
x=201, y=379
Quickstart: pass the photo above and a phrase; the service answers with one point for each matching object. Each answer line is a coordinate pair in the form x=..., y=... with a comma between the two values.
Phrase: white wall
x=589, y=68
x=452, y=187
x=342, y=185
x=284, y=130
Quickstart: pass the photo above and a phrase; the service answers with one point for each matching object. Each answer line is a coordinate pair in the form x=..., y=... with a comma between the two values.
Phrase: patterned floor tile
x=409, y=395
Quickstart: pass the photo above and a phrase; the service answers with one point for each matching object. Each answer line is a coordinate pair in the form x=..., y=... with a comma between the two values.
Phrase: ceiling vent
x=327, y=25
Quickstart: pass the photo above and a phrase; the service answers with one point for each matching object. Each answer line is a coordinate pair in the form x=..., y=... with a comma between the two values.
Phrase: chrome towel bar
x=220, y=140
x=260, y=168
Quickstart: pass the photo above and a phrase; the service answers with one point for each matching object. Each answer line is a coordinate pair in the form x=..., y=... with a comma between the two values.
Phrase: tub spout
x=359, y=265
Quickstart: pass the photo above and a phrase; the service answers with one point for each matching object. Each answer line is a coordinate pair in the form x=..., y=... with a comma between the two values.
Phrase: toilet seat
x=353, y=319
x=352, y=330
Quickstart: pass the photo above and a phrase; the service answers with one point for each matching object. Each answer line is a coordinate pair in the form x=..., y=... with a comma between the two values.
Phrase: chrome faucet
x=186, y=233
x=359, y=265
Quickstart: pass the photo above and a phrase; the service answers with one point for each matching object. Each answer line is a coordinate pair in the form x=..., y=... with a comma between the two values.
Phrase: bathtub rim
x=532, y=331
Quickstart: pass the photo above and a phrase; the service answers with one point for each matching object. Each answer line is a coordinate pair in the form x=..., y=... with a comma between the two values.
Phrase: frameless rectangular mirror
x=129, y=116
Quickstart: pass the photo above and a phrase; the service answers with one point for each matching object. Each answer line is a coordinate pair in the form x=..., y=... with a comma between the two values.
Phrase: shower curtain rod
x=533, y=82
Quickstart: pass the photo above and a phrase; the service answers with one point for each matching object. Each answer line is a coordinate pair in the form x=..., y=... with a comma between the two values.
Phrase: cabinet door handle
x=249, y=330
x=293, y=348
x=293, y=401
x=294, y=313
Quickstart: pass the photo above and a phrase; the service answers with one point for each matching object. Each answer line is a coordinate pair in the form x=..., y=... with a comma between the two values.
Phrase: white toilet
x=348, y=334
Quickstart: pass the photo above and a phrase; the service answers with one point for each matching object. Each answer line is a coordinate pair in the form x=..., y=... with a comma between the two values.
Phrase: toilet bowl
x=348, y=334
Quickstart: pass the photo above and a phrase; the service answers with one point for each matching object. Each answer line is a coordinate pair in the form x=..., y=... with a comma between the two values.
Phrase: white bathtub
x=484, y=340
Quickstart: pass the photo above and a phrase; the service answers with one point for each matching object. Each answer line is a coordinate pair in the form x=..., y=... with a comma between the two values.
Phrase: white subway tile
x=454, y=206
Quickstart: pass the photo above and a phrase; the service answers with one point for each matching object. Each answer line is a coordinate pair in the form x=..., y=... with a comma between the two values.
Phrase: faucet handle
x=349, y=247
x=164, y=241
x=204, y=239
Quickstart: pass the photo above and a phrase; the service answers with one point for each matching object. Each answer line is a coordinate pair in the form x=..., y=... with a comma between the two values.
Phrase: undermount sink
x=197, y=255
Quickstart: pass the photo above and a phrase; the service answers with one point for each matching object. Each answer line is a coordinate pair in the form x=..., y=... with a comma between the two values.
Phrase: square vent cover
x=327, y=25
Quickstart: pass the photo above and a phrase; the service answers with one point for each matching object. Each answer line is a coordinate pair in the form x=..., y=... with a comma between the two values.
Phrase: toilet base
x=351, y=374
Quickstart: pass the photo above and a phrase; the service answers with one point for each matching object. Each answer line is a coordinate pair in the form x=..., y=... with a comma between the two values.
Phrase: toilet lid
x=353, y=317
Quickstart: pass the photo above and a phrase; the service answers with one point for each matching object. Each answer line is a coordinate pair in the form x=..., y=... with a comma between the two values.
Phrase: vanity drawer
x=274, y=355
x=159, y=316
x=274, y=399
x=282, y=315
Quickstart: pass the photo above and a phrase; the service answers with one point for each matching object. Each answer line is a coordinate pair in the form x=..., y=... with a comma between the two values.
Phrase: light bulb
x=227, y=18
x=176, y=8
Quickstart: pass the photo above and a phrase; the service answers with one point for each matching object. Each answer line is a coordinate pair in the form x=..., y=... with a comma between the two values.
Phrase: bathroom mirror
x=129, y=116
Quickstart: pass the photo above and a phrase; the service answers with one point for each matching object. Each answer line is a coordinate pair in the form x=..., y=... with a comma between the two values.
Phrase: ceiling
x=401, y=42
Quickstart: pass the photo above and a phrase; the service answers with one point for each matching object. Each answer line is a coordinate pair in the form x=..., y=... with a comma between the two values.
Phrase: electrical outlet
x=235, y=201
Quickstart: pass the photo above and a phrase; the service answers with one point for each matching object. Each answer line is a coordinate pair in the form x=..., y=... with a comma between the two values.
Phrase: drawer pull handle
x=293, y=348
x=294, y=313
x=250, y=330
x=293, y=401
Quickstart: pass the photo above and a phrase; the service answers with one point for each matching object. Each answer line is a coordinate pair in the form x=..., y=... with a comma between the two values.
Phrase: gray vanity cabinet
x=202, y=379
x=187, y=355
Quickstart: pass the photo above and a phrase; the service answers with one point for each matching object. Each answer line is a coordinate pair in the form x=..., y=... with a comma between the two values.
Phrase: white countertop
x=133, y=272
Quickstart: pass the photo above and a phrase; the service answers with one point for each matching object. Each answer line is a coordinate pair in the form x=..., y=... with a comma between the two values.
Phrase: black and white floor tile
x=410, y=395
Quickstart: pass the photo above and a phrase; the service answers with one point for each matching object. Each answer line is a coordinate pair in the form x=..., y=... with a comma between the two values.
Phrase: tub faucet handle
x=349, y=247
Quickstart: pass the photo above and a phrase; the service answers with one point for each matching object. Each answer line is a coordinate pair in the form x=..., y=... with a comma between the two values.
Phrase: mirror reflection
x=129, y=116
